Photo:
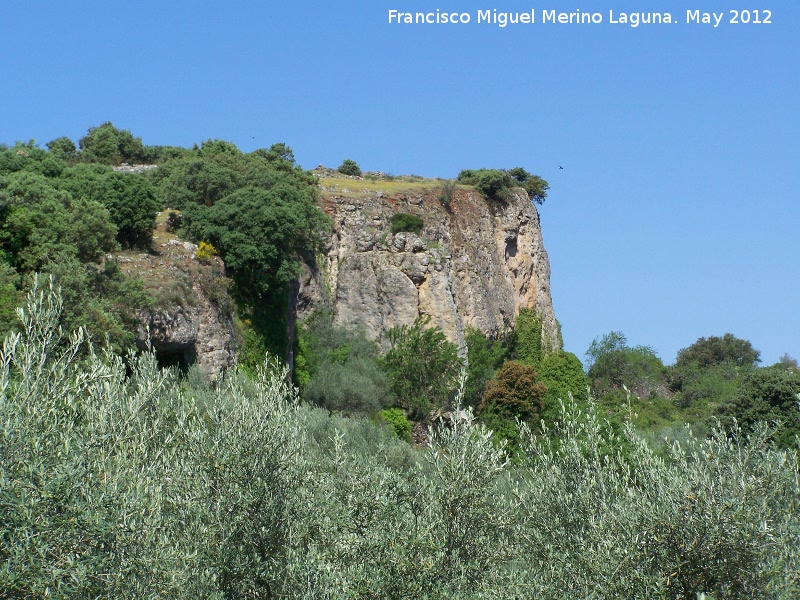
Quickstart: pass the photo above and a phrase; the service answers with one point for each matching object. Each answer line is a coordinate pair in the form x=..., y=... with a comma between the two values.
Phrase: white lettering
x=577, y=17
x=430, y=18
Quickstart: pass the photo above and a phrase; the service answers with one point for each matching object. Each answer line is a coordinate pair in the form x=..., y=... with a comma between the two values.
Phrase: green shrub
x=108, y=145
x=770, y=394
x=120, y=480
x=339, y=368
x=10, y=297
x=494, y=184
x=447, y=193
x=533, y=184
x=174, y=221
x=406, y=222
x=615, y=366
x=423, y=366
x=484, y=357
x=398, y=422
x=527, y=344
x=349, y=167
x=515, y=392
x=562, y=374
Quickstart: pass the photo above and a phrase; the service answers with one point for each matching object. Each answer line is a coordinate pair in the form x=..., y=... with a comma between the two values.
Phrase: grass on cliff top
x=332, y=183
x=355, y=186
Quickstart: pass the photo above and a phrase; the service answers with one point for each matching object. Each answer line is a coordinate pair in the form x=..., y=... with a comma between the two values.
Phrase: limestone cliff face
x=198, y=333
x=475, y=264
x=191, y=321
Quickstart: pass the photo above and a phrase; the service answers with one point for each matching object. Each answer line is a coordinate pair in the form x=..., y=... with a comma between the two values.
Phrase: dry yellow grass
x=355, y=187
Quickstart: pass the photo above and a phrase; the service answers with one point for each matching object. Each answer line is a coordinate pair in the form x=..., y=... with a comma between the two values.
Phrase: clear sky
x=677, y=212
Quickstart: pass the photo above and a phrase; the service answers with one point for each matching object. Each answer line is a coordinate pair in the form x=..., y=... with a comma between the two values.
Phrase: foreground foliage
x=142, y=484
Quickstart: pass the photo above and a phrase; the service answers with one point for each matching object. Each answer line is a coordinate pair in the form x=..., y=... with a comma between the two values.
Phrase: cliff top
x=333, y=182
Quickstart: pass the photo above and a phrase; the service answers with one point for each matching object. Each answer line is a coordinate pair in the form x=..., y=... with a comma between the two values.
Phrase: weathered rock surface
x=475, y=264
x=198, y=334
x=185, y=325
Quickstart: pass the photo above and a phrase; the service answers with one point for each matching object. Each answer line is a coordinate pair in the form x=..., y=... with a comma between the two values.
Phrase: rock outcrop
x=191, y=321
x=476, y=263
x=197, y=333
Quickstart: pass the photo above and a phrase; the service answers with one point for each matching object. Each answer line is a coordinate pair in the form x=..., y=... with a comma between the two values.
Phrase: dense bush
x=63, y=148
x=491, y=183
x=30, y=158
x=770, y=394
x=494, y=184
x=194, y=179
x=484, y=357
x=423, y=366
x=526, y=340
x=10, y=297
x=139, y=484
x=349, y=167
x=562, y=374
x=111, y=146
x=339, y=368
x=59, y=226
x=711, y=370
x=396, y=419
x=129, y=198
x=714, y=350
x=515, y=392
x=515, y=395
x=533, y=184
x=406, y=222
x=261, y=232
x=40, y=221
x=615, y=366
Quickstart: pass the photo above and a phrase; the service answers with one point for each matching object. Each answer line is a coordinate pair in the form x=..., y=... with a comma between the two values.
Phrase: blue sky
x=676, y=215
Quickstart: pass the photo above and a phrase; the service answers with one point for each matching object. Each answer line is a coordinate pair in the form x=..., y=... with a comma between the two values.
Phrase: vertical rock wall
x=475, y=264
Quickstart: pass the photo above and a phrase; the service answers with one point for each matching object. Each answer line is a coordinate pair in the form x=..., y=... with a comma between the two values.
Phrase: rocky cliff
x=191, y=320
x=475, y=263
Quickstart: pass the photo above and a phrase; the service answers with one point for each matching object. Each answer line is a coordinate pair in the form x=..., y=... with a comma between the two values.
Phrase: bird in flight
x=560, y=167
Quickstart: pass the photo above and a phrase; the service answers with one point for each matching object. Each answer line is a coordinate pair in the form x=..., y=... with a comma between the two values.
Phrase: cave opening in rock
x=511, y=248
x=181, y=358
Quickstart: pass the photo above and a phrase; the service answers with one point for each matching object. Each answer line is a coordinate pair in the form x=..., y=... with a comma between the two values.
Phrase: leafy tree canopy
x=484, y=358
x=29, y=157
x=423, y=366
x=129, y=197
x=63, y=148
x=769, y=394
x=339, y=367
x=194, y=179
x=495, y=183
x=40, y=221
x=349, y=167
x=563, y=374
x=516, y=391
x=716, y=350
x=260, y=233
x=614, y=364
x=533, y=184
x=516, y=394
x=111, y=146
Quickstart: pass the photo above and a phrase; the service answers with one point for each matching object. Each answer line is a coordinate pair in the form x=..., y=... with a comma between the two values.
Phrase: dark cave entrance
x=511, y=248
x=179, y=356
